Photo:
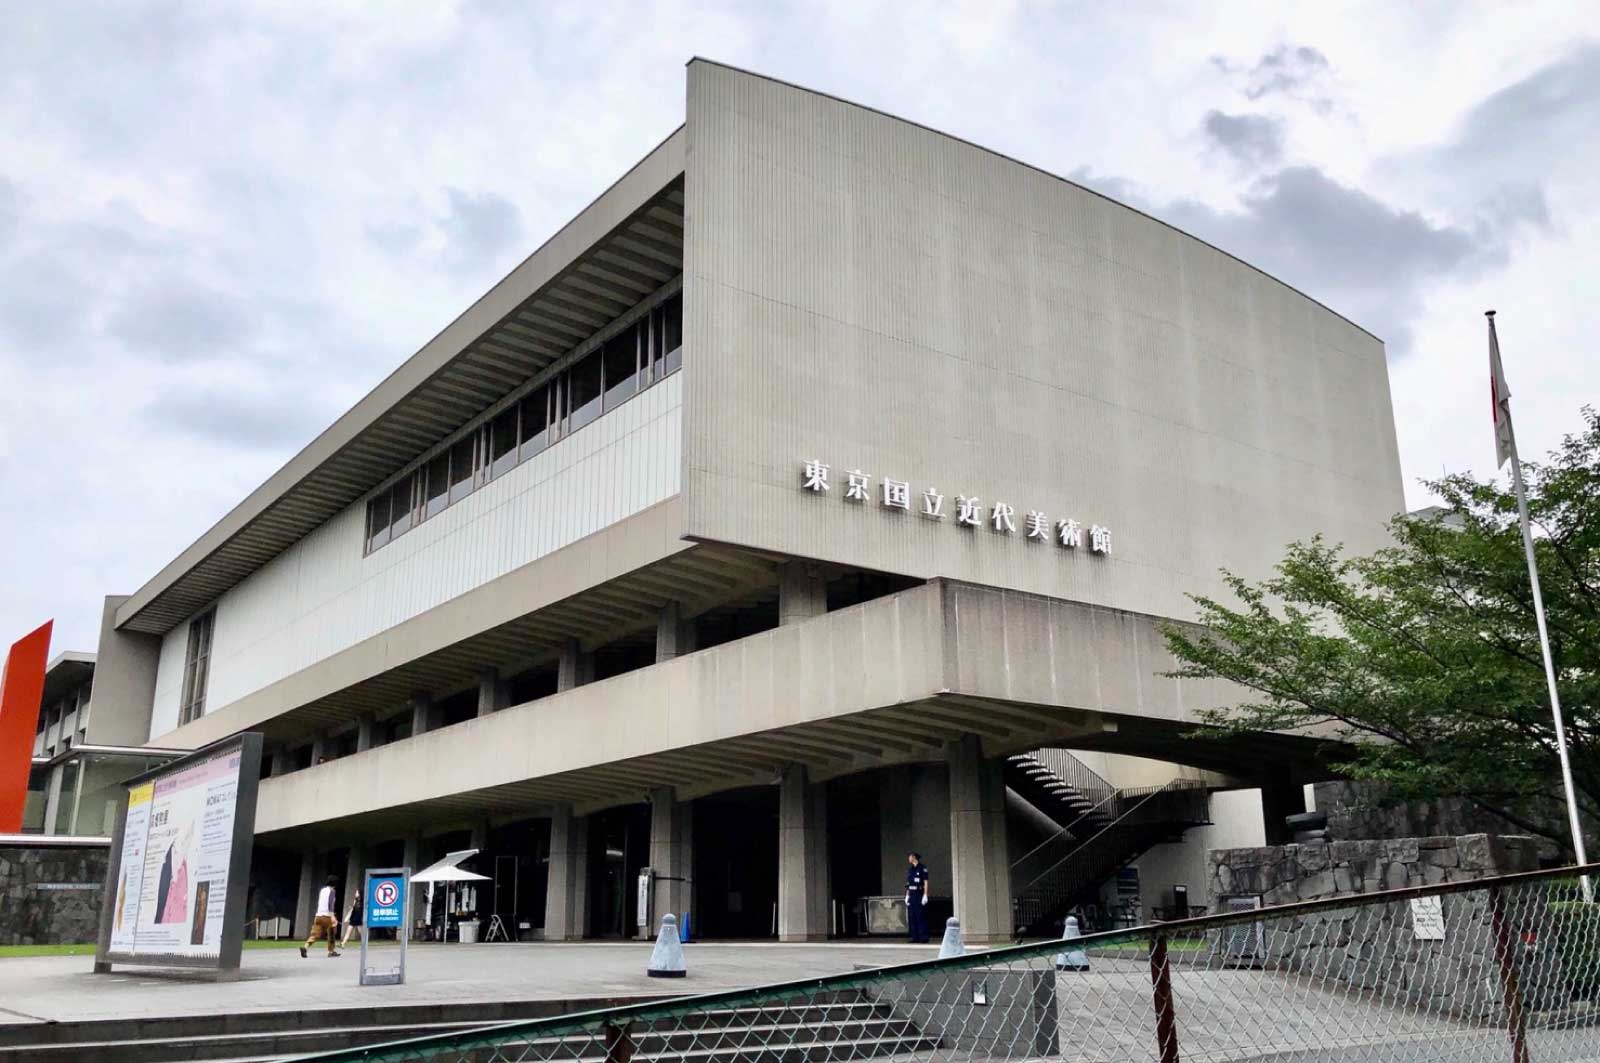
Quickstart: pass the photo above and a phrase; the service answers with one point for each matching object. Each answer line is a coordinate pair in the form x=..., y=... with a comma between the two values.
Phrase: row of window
x=642, y=354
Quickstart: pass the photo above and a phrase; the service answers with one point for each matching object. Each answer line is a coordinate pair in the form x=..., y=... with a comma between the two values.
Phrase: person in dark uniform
x=917, y=898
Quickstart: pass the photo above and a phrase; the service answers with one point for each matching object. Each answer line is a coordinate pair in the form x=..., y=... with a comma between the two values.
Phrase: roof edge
x=501, y=299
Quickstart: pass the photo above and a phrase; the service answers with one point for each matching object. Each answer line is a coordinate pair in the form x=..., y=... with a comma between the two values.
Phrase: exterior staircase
x=1102, y=830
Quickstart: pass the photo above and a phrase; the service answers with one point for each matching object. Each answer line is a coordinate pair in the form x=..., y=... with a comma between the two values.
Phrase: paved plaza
x=62, y=988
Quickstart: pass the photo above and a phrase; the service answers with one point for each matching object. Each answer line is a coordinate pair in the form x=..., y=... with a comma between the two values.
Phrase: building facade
x=758, y=527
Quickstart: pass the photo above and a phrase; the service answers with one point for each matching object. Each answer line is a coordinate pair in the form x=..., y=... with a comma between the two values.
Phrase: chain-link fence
x=1496, y=969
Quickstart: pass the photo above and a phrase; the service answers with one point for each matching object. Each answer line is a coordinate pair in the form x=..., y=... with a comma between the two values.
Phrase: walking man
x=327, y=920
x=917, y=898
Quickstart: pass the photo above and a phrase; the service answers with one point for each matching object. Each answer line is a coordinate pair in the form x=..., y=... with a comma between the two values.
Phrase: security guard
x=917, y=898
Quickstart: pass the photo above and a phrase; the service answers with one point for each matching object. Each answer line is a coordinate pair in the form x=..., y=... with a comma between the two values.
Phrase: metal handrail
x=1074, y=772
x=1172, y=787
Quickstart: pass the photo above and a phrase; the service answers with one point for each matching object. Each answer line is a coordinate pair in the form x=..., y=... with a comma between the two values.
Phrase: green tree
x=1424, y=657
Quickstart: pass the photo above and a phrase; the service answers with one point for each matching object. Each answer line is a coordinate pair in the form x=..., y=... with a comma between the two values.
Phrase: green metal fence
x=1494, y=969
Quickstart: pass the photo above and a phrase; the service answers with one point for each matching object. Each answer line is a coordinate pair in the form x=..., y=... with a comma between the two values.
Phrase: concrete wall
x=1236, y=823
x=124, y=682
x=322, y=596
x=50, y=895
x=878, y=296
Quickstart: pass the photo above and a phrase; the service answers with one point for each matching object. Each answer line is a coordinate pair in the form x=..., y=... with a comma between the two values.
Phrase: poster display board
x=180, y=861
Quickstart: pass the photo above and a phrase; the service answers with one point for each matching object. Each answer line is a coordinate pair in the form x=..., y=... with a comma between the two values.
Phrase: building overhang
x=893, y=680
x=66, y=671
x=623, y=246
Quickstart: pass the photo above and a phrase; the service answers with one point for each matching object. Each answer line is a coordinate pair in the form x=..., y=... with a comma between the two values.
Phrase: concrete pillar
x=575, y=667
x=319, y=749
x=1280, y=798
x=674, y=634
x=480, y=836
x=52, y=802
x=803, y=882
x=566, y=906
x=980, y=865
x=282, y=763
x=421, y=714
x=366, y=728
x=412, y=855
x=494, y=693
x=306, y=899
x=671, y=855
x=895, y=813
x=355, y=872
x=802, y=592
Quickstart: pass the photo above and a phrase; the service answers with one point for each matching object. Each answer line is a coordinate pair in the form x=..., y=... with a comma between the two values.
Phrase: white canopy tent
x=449, y=871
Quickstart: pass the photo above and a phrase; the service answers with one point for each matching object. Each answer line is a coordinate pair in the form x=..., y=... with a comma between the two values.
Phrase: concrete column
x=980, y=865
x=421, y=714
x=674, y=634
x=282, y=764
x=671, y=855
x=803, y=883
x=306, y=899
x=1280, y=798
x=566, y=906
x=412, y=855
x=575, y=667
x=802, y=592
x=480, y=836
x=319, y=749
x=355, y=871
x=52, y=802
x=366, y=728
x=494, y=693
x=895, y=829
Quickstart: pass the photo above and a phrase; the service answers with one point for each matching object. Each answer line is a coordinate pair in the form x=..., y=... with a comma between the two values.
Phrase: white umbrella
x=448, y=871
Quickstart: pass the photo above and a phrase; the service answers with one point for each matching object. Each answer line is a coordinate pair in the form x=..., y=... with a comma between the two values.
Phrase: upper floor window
x=646, y=351
x=196, y=667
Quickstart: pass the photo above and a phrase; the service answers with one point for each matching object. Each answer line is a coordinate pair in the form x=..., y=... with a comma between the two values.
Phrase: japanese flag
x=1500, y=395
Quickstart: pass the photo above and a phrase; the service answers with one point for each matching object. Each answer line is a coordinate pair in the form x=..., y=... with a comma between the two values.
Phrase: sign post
x=387, y=902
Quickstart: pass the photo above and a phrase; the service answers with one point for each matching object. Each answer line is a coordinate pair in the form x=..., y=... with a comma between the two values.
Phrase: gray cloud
x=1370, y=260
x=478, y=228
x=1295, y=71
x=1252, y=140
x=181, y=320
x=253, y=418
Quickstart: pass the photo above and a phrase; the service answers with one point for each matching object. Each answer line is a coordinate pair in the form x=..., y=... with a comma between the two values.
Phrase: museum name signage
x=968, y=511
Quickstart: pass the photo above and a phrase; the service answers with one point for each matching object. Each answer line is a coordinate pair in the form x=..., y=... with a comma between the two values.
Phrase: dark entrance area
x=619, y=845
x=735, y=864
x=855, y=866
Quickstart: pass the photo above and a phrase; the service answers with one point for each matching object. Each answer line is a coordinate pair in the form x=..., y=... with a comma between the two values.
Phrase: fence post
x=1161, y=984
x=619, y=1043
x=1516, y=1018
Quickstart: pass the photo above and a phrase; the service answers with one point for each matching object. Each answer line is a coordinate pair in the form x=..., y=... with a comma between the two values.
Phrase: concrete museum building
x=799, y=503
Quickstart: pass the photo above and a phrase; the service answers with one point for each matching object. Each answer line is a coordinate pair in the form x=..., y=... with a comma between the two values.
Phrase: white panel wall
x=322, y=596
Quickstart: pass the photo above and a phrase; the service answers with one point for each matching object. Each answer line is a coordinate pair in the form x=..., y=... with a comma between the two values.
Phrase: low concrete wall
x=50, y=891
x=1375, y=947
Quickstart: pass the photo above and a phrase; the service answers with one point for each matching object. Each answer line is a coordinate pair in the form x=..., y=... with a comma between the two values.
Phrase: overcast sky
x=221, y=224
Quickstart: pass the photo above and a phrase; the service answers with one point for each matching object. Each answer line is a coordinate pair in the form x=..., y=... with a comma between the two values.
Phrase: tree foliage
x=1424, y=657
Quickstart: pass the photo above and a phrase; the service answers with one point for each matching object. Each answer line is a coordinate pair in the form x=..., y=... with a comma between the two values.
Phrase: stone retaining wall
x=50, y=894
x=1375, y=947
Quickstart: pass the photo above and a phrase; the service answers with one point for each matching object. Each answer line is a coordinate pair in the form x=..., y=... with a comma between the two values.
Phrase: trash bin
x=468, y=931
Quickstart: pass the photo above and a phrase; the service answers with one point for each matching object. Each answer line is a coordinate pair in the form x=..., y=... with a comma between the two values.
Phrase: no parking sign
x=385, y=900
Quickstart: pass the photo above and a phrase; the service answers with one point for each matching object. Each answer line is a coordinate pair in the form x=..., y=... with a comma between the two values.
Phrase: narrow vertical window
x=503, y=443
x=461, y=458
x=378, y=516
x=672, y=341
x=535, y=423
x=197, y=667
x=437, y=479
x=620, y=361
x=402, y=506
x=584, y=382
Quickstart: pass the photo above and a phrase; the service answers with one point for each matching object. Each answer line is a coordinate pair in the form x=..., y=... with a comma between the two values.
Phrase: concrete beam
x=803, y=880
x=980, y=865
x=567, y=893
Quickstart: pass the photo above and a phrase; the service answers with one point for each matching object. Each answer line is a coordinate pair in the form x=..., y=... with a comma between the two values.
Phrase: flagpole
x=1544, y=639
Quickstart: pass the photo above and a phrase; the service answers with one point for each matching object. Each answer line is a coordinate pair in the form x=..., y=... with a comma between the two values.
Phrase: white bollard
x=953, y=944
x=666, y=959
x=1073, y=959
